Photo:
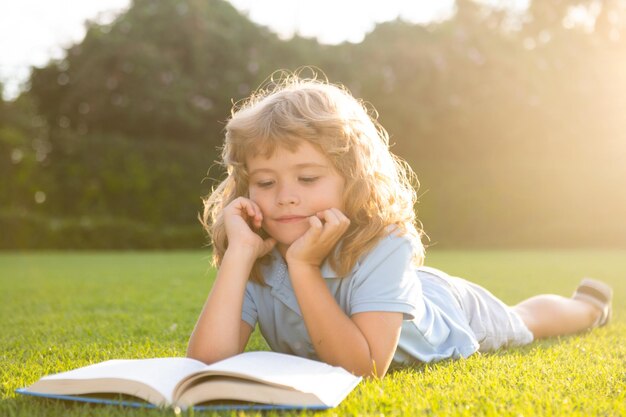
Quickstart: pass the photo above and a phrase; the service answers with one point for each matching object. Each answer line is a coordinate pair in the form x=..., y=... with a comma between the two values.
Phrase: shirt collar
x=274, y=278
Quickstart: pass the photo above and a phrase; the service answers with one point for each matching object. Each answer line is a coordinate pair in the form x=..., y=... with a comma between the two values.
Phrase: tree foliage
x=513, y=121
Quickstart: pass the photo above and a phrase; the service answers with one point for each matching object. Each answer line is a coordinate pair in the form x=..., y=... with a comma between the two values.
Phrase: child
x=314, y=234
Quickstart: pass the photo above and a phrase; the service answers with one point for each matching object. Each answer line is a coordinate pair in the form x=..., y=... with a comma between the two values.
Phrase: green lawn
x=62, y=310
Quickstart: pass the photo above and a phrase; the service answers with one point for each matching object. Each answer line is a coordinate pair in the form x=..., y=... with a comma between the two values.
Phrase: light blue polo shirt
x=385, y=279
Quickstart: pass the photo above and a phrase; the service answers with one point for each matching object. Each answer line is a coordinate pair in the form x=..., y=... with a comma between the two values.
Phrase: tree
x=514, y=122
x=162, y=69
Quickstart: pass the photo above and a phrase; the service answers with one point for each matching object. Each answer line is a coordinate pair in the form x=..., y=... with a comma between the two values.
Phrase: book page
x=161, y=374
x=330, y=384
x=222, y=389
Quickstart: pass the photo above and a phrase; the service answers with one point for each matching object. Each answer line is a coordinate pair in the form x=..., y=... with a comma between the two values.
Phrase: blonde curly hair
x=379, y=187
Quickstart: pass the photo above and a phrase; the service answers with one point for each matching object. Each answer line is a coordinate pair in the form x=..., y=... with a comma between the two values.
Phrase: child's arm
x=220, y=332
x=363, y=344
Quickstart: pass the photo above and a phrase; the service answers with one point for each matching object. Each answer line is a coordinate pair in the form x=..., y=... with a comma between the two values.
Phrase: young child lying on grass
x=315, y=239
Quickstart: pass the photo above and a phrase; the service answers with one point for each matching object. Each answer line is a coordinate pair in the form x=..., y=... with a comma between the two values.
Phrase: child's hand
x=240, y=217
x=312, y=247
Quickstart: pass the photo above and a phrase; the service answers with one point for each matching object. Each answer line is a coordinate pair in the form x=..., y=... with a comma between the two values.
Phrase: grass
x=62, y=310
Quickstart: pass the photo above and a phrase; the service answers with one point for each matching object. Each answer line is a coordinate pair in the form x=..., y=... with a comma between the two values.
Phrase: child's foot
x=598, y=294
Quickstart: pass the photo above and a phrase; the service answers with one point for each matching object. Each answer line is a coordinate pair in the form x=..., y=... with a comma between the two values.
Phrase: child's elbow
x=193, y=354
x=208, y=356
x=208, y=360
x=370, y=371
x=199, y=355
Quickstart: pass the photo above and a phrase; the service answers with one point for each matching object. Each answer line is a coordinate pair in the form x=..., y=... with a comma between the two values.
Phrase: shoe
x=600, y=295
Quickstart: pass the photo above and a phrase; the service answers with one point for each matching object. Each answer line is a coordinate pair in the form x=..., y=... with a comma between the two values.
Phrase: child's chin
x=288, y=240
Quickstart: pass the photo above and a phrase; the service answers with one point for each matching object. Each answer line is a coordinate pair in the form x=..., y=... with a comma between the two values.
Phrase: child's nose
x=286, y=196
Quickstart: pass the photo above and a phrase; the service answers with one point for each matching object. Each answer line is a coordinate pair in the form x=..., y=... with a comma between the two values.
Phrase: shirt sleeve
x=249, y=312
x=387, y=280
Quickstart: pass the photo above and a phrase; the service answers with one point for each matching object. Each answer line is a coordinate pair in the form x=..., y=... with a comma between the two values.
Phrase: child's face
x=290, y=186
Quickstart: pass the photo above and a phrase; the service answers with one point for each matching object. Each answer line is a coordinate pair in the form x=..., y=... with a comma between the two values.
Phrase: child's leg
x=553, y=315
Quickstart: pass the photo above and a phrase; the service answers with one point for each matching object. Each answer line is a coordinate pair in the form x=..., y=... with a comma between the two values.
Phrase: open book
x=249, y=380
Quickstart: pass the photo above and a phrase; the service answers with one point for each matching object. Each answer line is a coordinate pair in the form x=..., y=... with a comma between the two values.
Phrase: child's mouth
x=291, y=219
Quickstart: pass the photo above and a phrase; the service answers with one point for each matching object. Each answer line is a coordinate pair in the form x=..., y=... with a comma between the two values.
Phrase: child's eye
x=309, y=179
x=264, y=184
